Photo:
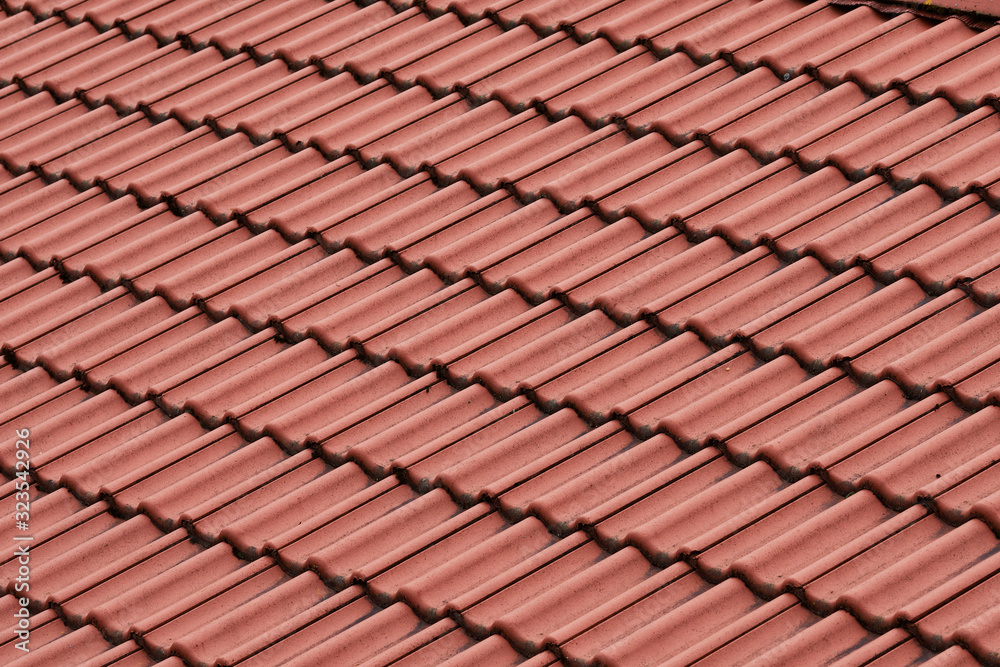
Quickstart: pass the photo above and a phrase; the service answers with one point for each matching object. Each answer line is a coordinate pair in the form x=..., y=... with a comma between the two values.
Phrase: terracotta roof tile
x=500, y=332
x=783, y=630
x=119, y=444
x=56, y=640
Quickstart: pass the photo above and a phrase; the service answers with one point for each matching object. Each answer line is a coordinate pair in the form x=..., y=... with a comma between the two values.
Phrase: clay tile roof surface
x=499, y=332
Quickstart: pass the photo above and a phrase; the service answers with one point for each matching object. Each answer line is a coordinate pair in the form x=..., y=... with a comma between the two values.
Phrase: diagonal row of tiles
x=293, y=334
x=161, y=594
x=409, y=427
x=643, y=595
x=655, y=516
x=758, y=101
x=787, y=36
x=92, y=406
x=673, y=68
x=835, y=43
x=613, y=156
x=158, y=593
x=147, y=351
x=688, y=161
x=761, y=265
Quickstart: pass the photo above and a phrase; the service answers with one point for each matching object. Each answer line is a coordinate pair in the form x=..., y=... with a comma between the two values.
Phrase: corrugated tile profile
x=500, y=332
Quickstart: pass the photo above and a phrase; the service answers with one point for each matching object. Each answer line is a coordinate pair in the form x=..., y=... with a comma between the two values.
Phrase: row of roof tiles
x=788, y=36
x=222, y=195
x=234, y=527
x=915, y=224
x=113, y=339
x=157, y=595
x=259, y=589
x=828, y=425
x=504, y=411
x=894, y=236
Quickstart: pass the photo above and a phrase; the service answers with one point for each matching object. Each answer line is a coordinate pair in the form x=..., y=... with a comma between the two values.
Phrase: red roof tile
x=514, y=332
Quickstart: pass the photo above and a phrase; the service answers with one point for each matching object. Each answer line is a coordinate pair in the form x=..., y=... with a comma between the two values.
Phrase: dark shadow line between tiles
x=39, y=604
x=316, y=236
x=910, y=624
x=634, y=603
x=191, y=534
x=140, y=639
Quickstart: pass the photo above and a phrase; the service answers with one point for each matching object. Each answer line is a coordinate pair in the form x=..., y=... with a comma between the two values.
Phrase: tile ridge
x=928, y=10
